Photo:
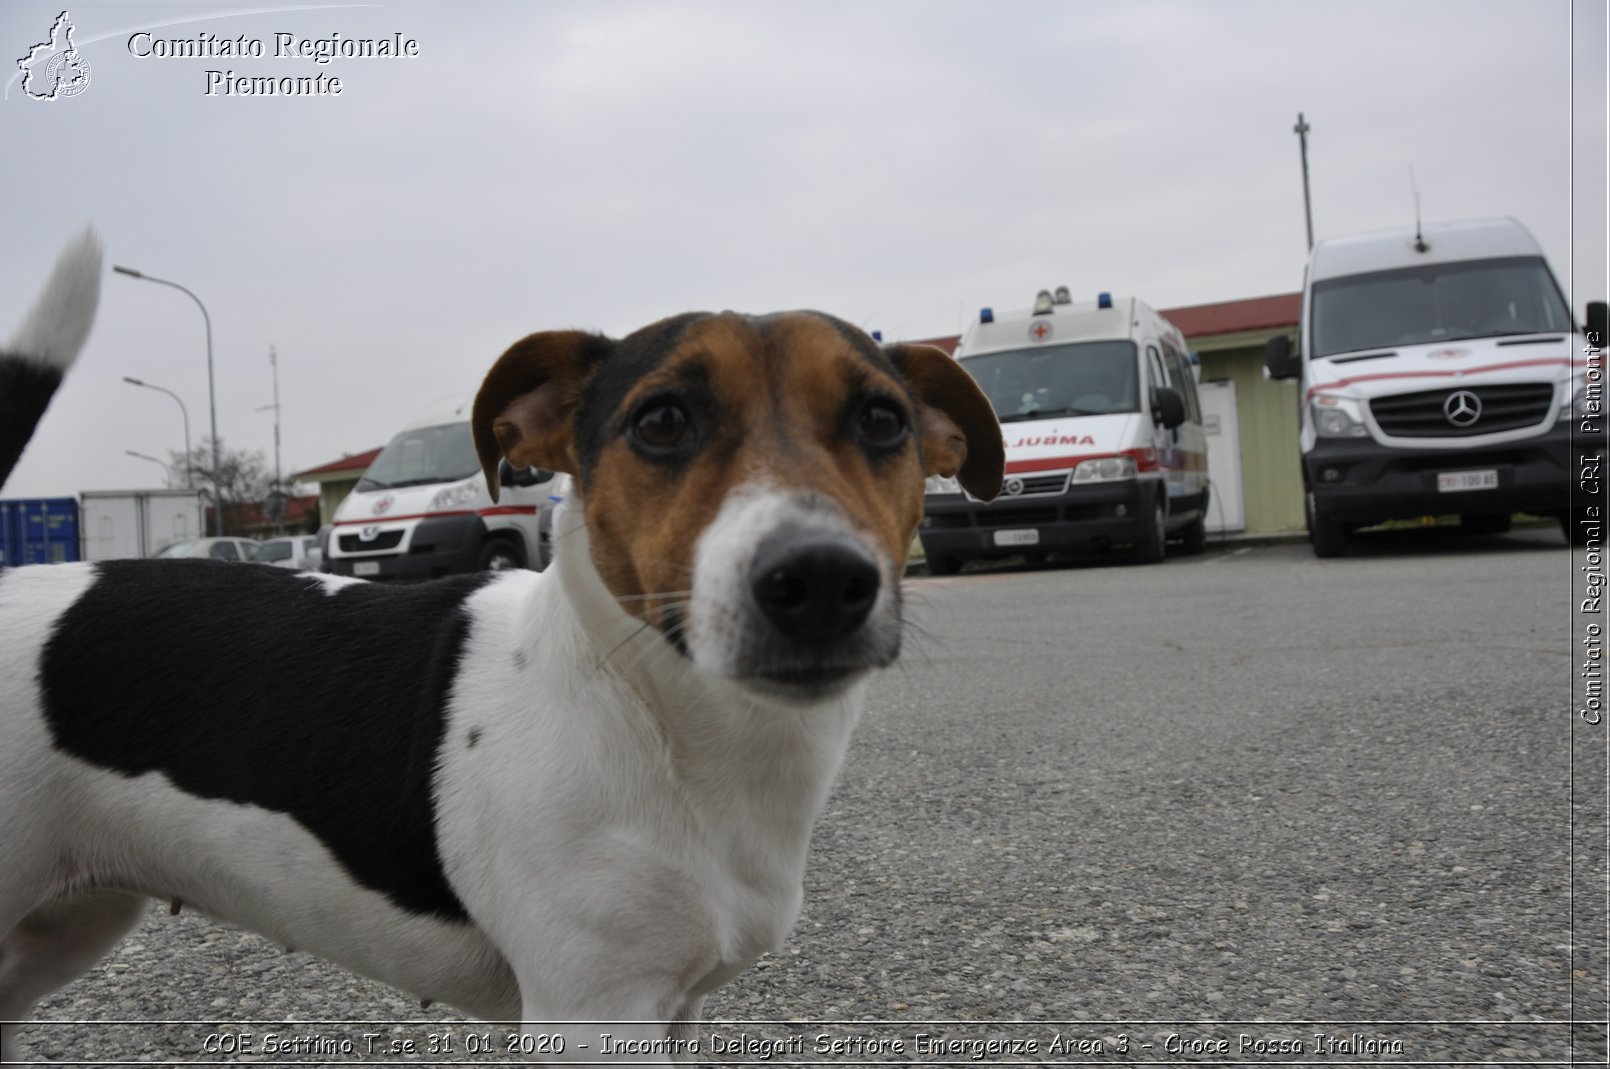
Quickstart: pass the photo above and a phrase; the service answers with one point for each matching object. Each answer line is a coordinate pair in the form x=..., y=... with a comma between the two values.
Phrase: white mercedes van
x=1441, y=374
x=1103, y=429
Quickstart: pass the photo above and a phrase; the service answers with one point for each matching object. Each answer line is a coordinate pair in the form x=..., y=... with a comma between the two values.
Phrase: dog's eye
x=882, y=423
x=661, y=424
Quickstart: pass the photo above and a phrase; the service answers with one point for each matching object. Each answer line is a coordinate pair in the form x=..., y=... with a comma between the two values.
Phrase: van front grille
x=1442, y=414
x=998, y=517
x=351, y=543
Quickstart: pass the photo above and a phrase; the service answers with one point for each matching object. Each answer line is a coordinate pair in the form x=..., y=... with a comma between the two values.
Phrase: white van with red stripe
x=1442, y=374
x=422, y=510
x=1103, y=430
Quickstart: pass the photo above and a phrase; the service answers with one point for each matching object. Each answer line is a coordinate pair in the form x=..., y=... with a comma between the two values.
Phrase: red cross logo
x=1041, y=331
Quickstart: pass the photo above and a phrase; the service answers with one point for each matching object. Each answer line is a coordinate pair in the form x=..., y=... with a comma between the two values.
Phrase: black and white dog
x=580, y=795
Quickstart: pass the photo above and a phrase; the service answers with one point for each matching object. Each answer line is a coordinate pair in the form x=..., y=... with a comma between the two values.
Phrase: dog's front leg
x=627, y=1026
x=685, y=1029
x=578, y=1042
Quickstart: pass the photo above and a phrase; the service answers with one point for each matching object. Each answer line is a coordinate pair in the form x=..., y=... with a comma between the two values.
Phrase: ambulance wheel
x=1195, y=536
x=1328, y=535
x=501, y=555
x=1149, y=547
x=944, y=565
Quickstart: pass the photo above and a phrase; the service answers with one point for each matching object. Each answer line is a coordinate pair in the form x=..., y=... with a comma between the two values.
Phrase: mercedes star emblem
x=1462, y=408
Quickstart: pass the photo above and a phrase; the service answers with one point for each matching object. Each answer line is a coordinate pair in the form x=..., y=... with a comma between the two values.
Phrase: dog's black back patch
x=246, y=683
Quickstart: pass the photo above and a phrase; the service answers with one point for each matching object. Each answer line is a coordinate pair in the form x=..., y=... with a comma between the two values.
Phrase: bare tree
x=243, y=476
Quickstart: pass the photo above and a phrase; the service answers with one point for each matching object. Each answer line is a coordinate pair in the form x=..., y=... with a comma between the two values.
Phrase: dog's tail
x=33, y=362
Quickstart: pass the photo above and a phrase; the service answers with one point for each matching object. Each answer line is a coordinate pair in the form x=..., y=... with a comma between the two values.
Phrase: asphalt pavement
x=1246, y=807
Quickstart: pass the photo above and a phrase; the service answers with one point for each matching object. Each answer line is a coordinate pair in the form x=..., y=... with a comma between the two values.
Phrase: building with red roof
x=336, y=480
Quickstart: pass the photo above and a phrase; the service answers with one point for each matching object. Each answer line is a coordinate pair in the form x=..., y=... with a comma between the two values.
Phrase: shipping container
x=38, y=531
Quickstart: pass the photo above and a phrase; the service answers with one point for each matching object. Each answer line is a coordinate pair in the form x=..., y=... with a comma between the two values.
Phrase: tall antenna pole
x=279, y=490
x=277, y=497
x=1301, y=130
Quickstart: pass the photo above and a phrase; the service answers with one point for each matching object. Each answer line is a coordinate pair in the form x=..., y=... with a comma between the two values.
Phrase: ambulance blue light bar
x=1104, y=300
x=986, y=315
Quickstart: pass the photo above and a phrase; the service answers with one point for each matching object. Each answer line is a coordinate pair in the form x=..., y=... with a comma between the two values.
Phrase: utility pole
x=1301, y=130
x=277, y=498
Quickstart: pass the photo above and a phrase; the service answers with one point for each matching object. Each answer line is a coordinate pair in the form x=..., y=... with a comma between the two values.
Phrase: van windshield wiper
x=1529, y=337
x=426, y=480
x=1045, y=413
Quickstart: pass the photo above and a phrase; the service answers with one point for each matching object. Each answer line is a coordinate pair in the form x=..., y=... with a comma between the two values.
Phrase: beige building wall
x=332, y=493
x=1271, y=474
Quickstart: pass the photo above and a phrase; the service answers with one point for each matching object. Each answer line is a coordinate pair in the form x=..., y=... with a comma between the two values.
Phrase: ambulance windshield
x=1080, y=379
x=443, y=454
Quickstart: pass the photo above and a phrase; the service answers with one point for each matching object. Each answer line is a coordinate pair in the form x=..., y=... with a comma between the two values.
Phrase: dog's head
x=750, y=484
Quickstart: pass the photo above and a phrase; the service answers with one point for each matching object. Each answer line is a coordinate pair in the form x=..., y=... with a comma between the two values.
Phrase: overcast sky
x=602, y=164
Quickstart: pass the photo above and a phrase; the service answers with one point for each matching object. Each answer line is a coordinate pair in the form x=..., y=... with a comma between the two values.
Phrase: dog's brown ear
x=526, y=407
x=961, y=437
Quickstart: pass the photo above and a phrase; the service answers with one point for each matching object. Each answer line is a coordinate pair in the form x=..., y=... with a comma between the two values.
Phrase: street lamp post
x=212, y=395
x=152, y=459
x=189, y=482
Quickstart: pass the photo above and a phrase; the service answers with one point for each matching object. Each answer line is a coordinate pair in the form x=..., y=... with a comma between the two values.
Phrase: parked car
x=212, y=548
x=300, y=552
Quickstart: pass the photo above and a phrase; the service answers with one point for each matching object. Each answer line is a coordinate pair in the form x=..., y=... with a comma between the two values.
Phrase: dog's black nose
x=814, y=588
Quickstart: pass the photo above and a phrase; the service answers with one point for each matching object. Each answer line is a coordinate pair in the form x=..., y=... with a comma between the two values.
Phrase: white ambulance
x=422, y=510
x=1441, y=374
x=1103, y=429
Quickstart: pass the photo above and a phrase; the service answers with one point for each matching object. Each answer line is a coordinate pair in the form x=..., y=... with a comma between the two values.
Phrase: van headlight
x=1104, y=469
x=456, y=496
x=939, y=484
x=1336, y=417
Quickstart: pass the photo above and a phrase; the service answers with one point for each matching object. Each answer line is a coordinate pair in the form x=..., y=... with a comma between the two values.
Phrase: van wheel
x=1328, y=535
x=501, y=555
x=944, y=565
x=1195, y=536
x=1149, y=547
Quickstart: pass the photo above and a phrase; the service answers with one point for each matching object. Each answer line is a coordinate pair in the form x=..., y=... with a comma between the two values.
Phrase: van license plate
x=1450, y=482
x=1017, y=538
x=366, y=567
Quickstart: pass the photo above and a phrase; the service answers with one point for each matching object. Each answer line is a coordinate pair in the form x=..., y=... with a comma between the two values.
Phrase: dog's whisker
x=642, y=627
x=672, y=633
x=673, y=565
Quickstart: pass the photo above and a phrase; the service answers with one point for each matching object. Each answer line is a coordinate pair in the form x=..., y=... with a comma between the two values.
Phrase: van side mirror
x=1598, y=321
x=1168, y=407
x=509, y=475
x=1279, y=360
